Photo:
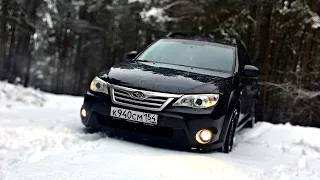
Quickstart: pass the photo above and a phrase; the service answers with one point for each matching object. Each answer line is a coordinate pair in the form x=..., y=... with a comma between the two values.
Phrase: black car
x=191, y=91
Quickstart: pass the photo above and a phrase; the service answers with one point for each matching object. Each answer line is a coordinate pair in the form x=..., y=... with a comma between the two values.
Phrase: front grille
x=148, y=100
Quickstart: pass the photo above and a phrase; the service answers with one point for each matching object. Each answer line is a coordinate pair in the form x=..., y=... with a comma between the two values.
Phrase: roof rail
x=231, y=40
x=228, y=40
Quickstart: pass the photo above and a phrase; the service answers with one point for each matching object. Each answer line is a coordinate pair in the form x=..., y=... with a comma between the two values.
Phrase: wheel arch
x=234, y=102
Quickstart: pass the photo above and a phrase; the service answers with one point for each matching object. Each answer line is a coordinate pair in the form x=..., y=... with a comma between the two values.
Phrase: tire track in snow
x=25, y=145
x=251, y=136
x=306, y=151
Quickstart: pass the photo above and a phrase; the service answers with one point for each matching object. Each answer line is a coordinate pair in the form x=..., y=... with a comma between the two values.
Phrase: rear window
x=191, y=53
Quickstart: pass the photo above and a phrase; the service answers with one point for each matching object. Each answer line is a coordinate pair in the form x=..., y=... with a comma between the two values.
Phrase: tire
x=90, y=130
x=228, y=143
x=110, y=134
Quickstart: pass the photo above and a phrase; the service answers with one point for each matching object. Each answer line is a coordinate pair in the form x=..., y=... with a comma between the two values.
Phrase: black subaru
x=190, y=91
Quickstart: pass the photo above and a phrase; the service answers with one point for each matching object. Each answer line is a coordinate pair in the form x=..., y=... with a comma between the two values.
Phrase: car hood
x=167, y=78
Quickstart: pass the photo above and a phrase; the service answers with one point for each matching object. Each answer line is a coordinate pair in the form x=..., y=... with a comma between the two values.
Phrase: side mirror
x=251, y=71
x=131, y=55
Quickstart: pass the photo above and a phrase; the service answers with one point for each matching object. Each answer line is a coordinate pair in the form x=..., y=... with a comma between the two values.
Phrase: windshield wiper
x=139, y=60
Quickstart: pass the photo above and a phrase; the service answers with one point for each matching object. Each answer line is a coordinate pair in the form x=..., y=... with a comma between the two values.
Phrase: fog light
x=204, y=136
x=83, y=113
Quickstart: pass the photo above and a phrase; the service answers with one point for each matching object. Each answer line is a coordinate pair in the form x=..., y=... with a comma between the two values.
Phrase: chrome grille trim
x=154, y=101
x=157, y=100
x=139, y=102
x=122, y=94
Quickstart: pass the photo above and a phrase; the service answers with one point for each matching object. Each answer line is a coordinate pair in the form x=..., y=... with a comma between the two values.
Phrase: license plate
x=135, y=116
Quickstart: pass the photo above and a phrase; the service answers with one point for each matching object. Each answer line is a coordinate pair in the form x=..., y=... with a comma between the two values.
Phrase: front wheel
x=228, y=143
x=90, y=130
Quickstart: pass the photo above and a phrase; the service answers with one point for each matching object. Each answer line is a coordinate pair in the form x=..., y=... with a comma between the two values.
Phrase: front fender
x=234, y=101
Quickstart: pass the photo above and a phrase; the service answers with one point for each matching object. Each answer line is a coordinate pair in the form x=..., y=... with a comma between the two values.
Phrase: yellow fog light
x=204, y=136
x=83, y=113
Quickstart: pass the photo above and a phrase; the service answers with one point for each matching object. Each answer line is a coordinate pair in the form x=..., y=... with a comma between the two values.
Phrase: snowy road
x=41, y=137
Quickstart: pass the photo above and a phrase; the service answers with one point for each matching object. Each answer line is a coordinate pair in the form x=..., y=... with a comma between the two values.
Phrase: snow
x=154, y=12
x=49, y=19
x=41, y=137
x=315, y=21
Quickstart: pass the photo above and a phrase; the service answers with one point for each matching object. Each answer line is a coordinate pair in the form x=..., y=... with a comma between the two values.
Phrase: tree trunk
x=313, y=69
x=307, y=61
x=81, y=65
x=264, y=48
x=11, y=56
x=3, y=33
x=257, y=31
x=28, y=70
x=79, y=57
x=63, y=53
x=31, y=15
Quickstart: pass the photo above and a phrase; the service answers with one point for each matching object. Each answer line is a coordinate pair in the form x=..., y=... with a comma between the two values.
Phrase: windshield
x=191, y=53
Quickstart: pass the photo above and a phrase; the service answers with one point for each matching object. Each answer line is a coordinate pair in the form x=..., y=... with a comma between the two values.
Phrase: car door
x=246, y=86
x=251, y=88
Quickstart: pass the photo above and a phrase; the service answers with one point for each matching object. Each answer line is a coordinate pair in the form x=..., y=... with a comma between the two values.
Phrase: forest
x=58, y=46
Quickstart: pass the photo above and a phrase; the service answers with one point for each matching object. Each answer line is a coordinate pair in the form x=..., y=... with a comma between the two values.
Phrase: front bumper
x=173, y=127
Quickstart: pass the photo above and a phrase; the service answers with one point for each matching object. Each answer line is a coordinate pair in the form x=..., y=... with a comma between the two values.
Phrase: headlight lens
x=198, y=101
x=99, y=85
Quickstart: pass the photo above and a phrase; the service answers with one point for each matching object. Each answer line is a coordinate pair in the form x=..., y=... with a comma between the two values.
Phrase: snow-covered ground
x=41, y=138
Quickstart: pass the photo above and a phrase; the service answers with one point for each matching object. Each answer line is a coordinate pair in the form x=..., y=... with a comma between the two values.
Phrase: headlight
x=99, y=85
x=198, y=101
